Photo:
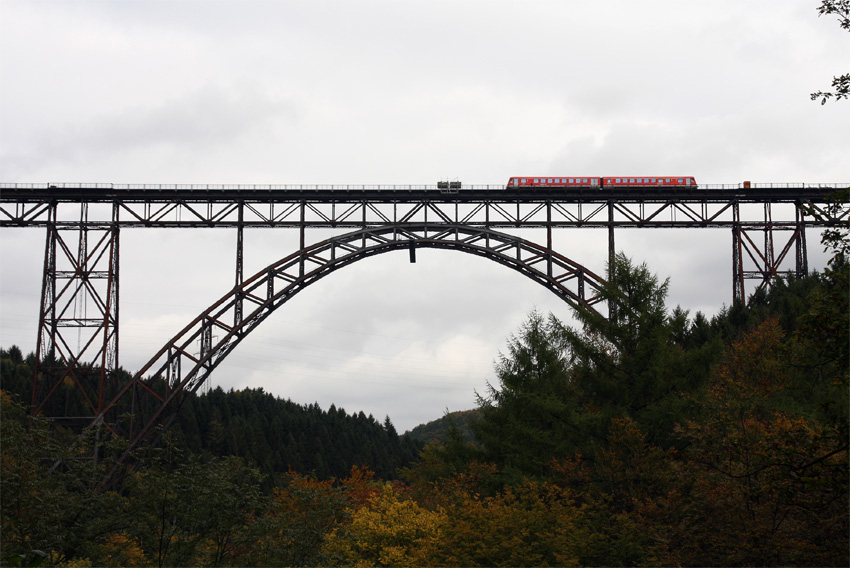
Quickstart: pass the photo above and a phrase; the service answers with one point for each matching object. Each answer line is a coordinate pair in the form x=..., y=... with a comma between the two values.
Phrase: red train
x=603, y=182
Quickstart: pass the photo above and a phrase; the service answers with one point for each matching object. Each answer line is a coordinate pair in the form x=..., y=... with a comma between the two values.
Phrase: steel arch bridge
x=81, y=262
x=219, y=329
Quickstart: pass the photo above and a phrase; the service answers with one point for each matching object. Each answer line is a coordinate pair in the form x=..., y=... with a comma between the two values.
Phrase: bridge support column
x=549, y=238
x=737, y=261
x=237, y=312
x=612, y=251
x=802, y=264
x=77, y=348
x=759, y=242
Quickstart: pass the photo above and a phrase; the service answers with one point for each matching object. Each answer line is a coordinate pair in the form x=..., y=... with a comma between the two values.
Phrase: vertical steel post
x=45, y=349
x=237, y=309
x=109, y=365
x=770, y=264
x=737, y=260
x=611, y=250
x=549, y=239
x=302, y=227
x=802, y=264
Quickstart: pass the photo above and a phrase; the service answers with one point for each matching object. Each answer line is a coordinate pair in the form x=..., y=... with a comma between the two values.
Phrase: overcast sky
x=398, y=92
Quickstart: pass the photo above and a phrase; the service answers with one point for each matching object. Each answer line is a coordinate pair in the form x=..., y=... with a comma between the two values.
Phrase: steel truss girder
x=186, y=361
x=493, y=213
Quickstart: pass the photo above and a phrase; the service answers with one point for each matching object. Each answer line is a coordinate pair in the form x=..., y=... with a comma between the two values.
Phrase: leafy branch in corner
x=840, y=84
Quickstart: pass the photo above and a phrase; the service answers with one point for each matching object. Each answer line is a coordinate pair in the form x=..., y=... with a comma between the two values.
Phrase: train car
x=562, y=182
x=669, y=181
x=591, y=182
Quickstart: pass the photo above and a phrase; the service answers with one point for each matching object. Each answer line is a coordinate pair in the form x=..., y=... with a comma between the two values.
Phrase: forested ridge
x=273, y=434
x=650, y=438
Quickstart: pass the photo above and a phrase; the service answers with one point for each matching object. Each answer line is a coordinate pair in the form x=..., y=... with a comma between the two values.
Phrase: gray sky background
x=398, y=92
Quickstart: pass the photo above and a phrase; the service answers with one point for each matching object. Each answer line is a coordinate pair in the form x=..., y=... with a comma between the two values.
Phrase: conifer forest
x=652, y=437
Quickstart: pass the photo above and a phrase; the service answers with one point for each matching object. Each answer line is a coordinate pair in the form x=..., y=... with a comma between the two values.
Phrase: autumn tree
x=769, y=485
x=528, y=524
x=387, y=530
x=184, y=511
x=302, y=513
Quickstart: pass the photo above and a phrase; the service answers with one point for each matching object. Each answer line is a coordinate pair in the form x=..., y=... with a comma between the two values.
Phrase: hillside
x=437, y=430
x=274, y=434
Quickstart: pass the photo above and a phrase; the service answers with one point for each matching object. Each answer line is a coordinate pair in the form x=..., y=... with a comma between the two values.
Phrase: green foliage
x=777, y=479
x=300, y=516
x=646, y=438
x=279, y=435
x=188, y=512
x=528, y=419
x=560, y=388
x=439, y=430
x=841, y=83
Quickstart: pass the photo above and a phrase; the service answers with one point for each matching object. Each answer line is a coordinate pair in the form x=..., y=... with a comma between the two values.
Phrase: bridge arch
x=155, y=394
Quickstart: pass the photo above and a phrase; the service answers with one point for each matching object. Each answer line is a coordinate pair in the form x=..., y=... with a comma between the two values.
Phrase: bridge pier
x=77, y=341
x=240, y=227
x=612, y=251
x=756, y=254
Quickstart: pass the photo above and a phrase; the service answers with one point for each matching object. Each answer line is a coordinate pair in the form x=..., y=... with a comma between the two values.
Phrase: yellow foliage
x=77, y=563
x=122, y=550
x=387, y=531
x=532, y=524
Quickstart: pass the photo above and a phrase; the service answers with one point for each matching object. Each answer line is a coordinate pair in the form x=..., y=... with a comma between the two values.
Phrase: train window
x=681, y=180
x=549, y=180
x=667, y=180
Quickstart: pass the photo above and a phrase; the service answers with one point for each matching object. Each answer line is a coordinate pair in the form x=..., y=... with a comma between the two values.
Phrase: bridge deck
x=71, y=192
